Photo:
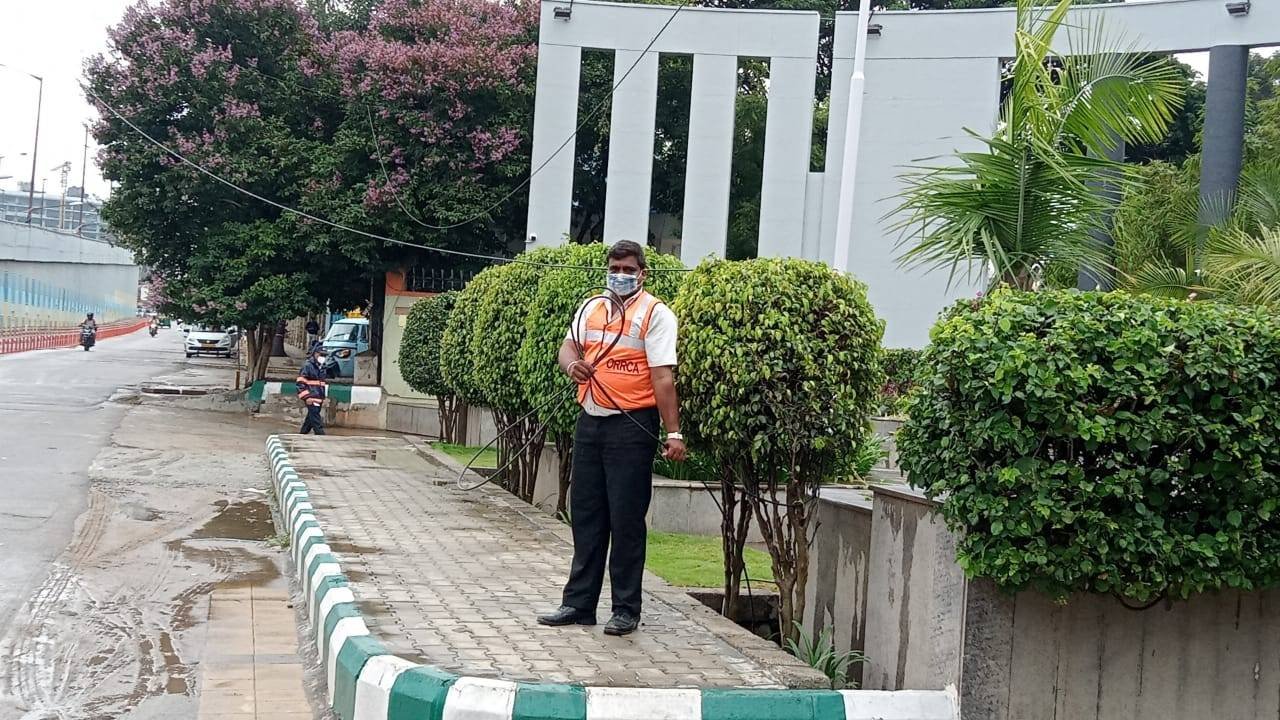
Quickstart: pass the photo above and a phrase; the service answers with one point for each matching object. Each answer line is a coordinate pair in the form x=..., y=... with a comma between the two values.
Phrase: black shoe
x=567, y=616
x=622, y=623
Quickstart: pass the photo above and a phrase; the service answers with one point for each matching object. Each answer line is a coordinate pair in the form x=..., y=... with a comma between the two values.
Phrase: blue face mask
x=622, y=284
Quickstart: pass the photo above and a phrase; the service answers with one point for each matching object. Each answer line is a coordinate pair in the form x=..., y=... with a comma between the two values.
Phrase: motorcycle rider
x=88, y=332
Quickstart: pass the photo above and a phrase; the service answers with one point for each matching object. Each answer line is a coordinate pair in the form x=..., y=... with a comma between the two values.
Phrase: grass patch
x=697, y=560
x=464, y=453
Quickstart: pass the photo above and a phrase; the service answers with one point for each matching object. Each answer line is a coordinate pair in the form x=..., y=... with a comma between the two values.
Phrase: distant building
x=55, y=212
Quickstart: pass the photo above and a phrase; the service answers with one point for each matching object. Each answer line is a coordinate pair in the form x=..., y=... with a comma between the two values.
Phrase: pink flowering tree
x=438, y=123
x=230, y=85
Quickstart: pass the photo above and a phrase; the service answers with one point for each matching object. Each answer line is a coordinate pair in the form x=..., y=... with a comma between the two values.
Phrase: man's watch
x=675, y=436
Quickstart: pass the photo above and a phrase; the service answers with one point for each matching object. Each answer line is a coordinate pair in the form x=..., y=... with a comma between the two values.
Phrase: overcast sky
x=51, y=38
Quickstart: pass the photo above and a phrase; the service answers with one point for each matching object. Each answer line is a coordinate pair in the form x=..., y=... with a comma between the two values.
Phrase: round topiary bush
x=420, y=356
x=1104, y=443
x=779, y=370
x=456, y=366
x=496, y=335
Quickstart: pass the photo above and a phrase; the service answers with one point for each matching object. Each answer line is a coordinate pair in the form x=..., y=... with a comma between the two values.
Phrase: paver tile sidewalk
x=455, y=578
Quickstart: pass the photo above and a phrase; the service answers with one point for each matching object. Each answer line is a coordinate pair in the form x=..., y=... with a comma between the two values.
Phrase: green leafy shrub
x=558, y=294
x=1105, y=443
x=420, y=356
x=820, y=653
x=779, y=369
x=456, y=366
x=900, y=367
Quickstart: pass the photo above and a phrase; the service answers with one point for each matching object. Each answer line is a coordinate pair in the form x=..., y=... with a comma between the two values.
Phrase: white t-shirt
x=659, y=342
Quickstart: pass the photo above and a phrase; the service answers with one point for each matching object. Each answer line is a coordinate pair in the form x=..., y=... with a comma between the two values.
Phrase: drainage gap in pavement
x=173, y=390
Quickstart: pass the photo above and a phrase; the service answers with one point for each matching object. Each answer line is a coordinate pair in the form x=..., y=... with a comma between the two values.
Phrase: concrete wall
x=836, y=596
x=50, y=279
x=915, y=596
x=1026, y=657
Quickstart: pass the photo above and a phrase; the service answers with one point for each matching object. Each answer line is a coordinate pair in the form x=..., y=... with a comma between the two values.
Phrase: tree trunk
x=277, y=342
x=564, y=448
x=519, y=449
x=735, y=522
x=378, y=302
x=785, y=528
x=259, y=339
x=447, y=409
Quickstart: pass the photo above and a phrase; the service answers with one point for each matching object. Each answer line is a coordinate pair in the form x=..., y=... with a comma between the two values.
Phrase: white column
x=788, y=136
x=837, y=116
x=706, y=186
x=626, y=201
x=555, y=119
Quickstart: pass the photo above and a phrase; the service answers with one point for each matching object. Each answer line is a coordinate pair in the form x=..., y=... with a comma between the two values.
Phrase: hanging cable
x=338, y=226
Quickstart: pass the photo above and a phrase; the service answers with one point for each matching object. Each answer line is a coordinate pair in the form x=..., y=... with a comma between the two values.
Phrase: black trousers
x=608, y=500
x=314, y=421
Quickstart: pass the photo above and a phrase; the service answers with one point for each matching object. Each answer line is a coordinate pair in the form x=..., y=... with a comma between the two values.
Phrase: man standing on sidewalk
x=313, y=386
x=623, y=396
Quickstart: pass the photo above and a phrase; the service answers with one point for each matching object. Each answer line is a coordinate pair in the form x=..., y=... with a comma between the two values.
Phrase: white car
x=211, y=340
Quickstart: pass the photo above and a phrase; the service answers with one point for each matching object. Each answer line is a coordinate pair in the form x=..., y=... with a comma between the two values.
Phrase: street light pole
x=84, y=169
x=35, y=146
x=852, y=130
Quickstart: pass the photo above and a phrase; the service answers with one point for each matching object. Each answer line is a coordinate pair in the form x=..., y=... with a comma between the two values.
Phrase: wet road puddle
x=239, y=521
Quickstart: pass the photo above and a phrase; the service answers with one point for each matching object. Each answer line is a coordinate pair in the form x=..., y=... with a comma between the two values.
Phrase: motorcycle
x=154, y=329
x=88, y=336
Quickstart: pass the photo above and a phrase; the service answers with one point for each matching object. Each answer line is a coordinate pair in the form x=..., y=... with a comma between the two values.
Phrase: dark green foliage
x=779, y=368
x=420, y=348
x=900, y=367
x=455, y=345
x=777, y=352
x=499, y=328
x=1105, y=443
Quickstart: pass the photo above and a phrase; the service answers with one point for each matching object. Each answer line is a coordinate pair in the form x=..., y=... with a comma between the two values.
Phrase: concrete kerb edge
x=366, y=682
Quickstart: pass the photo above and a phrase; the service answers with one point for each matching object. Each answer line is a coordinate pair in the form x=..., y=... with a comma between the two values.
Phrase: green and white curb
x=366, y=682
x=341, y=394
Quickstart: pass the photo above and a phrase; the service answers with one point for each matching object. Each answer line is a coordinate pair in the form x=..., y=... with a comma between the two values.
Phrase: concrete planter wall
x=1025, y=657
x=836, y=596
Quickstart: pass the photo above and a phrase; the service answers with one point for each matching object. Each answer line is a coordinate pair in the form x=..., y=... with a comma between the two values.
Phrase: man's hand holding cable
x=572, y=365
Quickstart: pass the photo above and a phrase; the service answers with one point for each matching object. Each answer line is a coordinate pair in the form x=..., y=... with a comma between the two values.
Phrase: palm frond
x=1110, y=89
x=1246, y=266
x=1163, y=281
x=1258, y=203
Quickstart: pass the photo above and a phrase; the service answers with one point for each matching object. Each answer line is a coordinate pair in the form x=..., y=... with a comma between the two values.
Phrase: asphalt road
x=54, y=419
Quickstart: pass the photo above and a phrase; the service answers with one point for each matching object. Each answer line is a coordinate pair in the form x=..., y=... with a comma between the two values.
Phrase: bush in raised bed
x=420, y=357
x=455, y=345
x=1106, y=443
x=779, y=368
x=497, y=333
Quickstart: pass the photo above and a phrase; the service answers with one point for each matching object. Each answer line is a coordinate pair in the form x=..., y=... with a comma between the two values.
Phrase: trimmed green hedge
x=420, y=347
x=1105, y=443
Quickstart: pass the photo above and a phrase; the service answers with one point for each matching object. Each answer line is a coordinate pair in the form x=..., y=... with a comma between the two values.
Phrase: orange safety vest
x=624, y=372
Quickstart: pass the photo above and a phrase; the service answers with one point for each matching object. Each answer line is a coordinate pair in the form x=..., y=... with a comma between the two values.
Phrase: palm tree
x=1033, y=194
x=1237, y=260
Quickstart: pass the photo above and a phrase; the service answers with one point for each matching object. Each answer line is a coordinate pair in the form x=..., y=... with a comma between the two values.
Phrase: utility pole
x=35, y=146
x=852, y=130
x=64, y=170
x=84, y=169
